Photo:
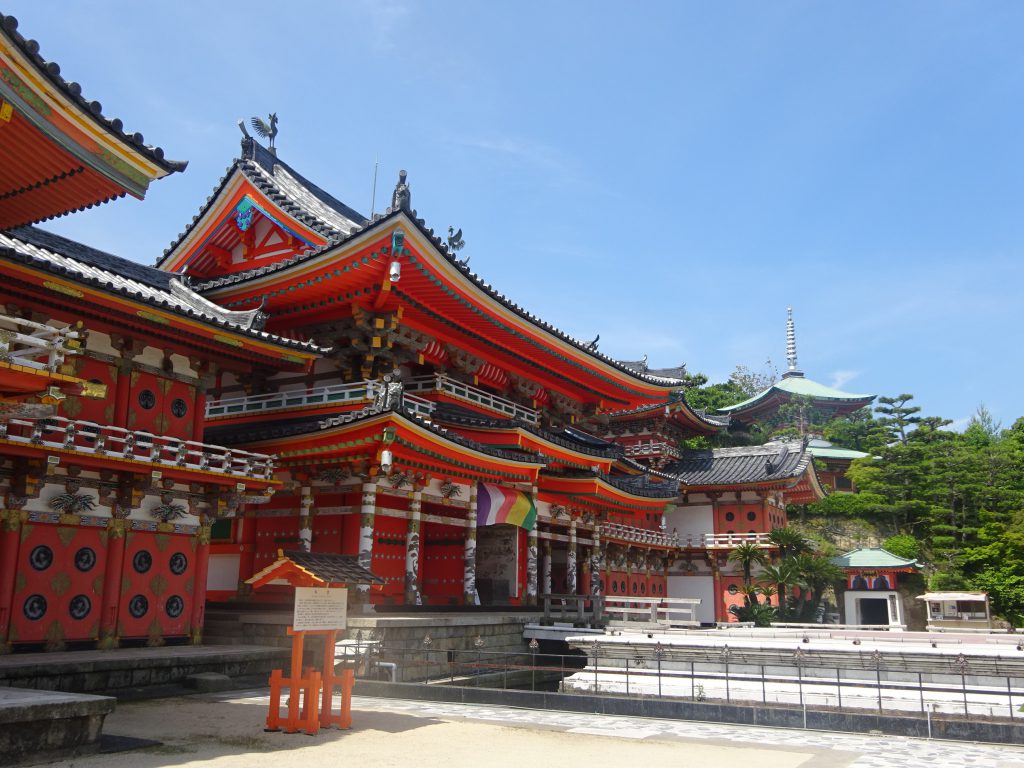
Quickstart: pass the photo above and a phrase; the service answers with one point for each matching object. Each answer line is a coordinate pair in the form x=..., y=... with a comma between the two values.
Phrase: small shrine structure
x=871, y=594
x=321, y=583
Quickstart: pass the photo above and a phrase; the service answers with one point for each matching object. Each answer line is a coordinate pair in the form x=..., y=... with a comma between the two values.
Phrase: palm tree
x=789, y=541
x=783, y=576
x=818, y=574
x=750, y=593
x=747, y=555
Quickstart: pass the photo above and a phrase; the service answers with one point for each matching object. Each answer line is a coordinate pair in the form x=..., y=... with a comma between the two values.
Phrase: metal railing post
x=659, y=651
x=726, y=654
x=877, y=657
x=534, y=647
x=961, y=662
x=798, y=658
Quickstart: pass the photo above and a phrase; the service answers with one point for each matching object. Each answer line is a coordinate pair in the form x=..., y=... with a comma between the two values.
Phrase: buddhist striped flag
x=503, y=505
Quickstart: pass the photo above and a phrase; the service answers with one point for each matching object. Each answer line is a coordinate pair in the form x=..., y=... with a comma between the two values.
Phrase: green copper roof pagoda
x=828, y=400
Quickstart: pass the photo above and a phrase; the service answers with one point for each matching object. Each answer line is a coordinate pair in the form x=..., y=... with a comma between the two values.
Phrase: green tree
x=903, y=546
x=747, y=555
x=817, y=574
x=852, y=432
x=784, y=576
x=789, y=541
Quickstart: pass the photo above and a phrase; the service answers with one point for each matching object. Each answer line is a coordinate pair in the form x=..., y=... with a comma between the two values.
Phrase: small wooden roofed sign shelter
x=308, y=569
x=315, y=687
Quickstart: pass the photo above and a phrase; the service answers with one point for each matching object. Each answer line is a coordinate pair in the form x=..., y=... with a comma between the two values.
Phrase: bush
x=902, y=546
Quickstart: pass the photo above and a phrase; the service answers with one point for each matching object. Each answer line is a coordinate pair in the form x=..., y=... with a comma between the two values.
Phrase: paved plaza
x=226, y=730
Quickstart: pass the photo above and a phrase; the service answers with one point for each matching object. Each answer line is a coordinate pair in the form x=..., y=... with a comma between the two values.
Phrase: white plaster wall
x=223, y=572
x=100, y=342
x=696, y=586
x=694, y=520
x=151, y=356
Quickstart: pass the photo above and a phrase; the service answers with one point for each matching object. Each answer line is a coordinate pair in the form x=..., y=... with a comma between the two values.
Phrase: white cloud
x=839, y=378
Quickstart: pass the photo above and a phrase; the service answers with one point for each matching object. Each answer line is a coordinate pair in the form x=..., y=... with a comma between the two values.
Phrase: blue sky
x=669, y=175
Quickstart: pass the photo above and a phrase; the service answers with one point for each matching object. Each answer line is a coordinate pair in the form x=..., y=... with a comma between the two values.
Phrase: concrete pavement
x=226, y=730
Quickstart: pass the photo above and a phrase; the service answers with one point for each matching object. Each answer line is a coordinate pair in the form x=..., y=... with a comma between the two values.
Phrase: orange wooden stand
x=316, y=690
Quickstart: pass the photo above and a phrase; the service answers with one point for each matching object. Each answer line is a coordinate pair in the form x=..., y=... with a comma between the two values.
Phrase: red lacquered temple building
x=293, y=375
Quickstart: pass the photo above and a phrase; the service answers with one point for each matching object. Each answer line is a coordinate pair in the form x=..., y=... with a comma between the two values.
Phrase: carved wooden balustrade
x=87, y=437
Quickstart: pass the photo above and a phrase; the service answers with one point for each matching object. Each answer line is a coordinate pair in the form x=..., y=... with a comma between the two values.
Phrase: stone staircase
x=247, y=626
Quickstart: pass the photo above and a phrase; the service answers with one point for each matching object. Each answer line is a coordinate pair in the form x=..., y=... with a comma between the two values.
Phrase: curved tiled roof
x=768, y=463
x=271, y=430
x=73, y=91
x=62, y=256
x=297, y=196
x=873, y=557
x=570, y=439
x=442, y=249
x=711, y=419
x=642, y=485
x=797, y=384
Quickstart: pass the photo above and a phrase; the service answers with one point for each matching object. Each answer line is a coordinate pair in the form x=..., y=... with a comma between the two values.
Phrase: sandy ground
x=223, y=734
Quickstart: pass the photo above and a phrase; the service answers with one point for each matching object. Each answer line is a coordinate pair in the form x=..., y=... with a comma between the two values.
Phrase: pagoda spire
x=793, y=370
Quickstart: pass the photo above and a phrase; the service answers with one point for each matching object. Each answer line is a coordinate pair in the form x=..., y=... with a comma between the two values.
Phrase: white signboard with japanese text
x=319, y=608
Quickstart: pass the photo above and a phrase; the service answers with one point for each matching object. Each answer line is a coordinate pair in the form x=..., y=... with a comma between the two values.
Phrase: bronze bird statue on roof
x=266, y=130
x=455, y=241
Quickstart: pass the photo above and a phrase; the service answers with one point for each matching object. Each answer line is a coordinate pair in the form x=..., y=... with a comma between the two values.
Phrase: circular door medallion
x=142, y=561
x=85, y=559
x=138, y=606
x=175, y=605
x=34, y=607
x=41, y=557
x=178, y=563
x=79, y=607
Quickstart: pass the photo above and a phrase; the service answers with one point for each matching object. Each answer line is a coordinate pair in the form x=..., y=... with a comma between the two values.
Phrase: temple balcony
x=32, y=356
x=473, y=397
x=634, y=535
x=34, y=345
x=356, y=394
x=647, y=448
x=86, y=440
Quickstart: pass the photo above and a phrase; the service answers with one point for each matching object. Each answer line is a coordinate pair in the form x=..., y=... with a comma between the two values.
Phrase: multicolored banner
x=495, y=505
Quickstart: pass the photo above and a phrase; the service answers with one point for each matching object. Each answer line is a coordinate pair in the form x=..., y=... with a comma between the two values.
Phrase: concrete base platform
x=124, y=670
x=41, y=726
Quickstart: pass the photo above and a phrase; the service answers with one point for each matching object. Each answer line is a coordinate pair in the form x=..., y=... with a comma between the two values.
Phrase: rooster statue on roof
x=266, y=130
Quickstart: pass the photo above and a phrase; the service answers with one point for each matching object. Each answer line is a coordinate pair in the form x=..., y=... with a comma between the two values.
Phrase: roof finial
x=401, y=198
x=268, y=130
x=791, y=344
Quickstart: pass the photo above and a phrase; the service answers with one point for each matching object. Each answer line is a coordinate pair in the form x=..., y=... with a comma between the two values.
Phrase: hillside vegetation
x=953, y=500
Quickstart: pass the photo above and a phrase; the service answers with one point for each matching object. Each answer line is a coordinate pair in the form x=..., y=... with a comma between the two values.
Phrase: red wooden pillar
x=720, y=613
x=122, y=393
x=247, y=552
x=116, y=531
x=10, y=537
x=199, y=416
x=199, y=582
